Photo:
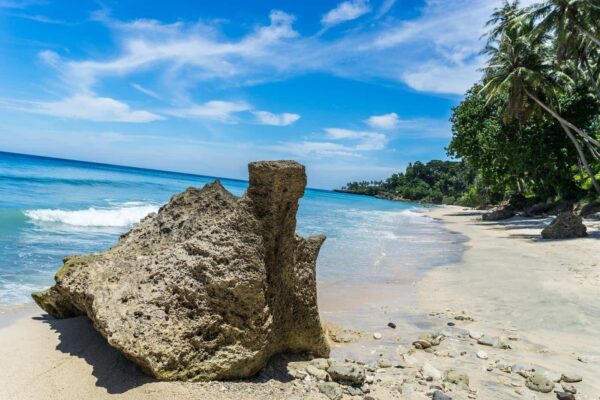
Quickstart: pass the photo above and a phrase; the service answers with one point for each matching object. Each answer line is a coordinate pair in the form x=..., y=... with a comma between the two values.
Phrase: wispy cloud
x=385, y=7
x=144, y=90
x=90, y=108
x=267, y=118
x=219, y=110
x=366, y=140
x=346, y=11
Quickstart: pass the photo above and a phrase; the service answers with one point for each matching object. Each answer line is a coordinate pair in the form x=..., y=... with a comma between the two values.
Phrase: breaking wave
x=114, y=217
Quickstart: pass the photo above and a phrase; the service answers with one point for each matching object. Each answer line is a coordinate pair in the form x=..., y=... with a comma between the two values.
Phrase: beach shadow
x=113, y=372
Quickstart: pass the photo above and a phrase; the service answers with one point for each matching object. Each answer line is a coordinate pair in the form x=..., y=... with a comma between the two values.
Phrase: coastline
x=541, y=293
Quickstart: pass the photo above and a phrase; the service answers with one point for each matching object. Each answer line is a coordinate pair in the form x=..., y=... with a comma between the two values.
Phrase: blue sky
x=354, y=89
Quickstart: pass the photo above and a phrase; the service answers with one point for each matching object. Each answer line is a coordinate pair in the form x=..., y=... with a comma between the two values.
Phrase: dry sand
x=544, y=293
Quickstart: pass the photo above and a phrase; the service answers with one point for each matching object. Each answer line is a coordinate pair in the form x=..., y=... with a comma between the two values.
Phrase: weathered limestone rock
x=499, y=213
x=210, y=287
x=567, y=225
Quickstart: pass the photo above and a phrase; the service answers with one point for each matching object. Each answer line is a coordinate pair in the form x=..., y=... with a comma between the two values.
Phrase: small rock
x=430, y=371
x=321, y=363
x=571, y=378
x=354, y=391
x=502, y=344
x=486, y=341
x=377, y=336
x=565, y=396
x=539, y=383
x=451, y=324
x=439, y=395
x=458, y=378
x=392, y=325
x=482, y=355
x=317, y=373
x=421, y=344
x=475, y=335
x=569, y=388
x=331, y=389
x=347, y=373
x=384, y=363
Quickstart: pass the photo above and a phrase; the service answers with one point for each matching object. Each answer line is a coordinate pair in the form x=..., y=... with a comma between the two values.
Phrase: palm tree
x=574, y=26
x=567, y=18
x=518, y=70
x=501, y=18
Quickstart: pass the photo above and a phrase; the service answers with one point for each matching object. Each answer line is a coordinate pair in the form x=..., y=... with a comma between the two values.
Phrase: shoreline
x=549, y=285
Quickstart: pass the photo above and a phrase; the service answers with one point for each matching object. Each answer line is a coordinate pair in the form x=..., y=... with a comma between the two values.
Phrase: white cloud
x=385, y=121
x=49, y=57
x=314, y=149
x=346, y=11
x=367, y=140
x=88, y=107
x=267, y=118
x=223, y=111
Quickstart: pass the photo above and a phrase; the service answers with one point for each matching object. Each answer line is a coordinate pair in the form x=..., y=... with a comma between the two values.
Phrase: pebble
x=569, y=388
x=392, y=325
x=384, y=363
x=457, y=377
x=451, y=324
x=439, y=395
x=565, y=396
x=317, y=373
x=354, y=391
x=571, y=378
x=539, y=383
x=347, y=372
x=486, y=341
x=430, y=371
x=475, y=335
x=331, y=389
x=321, y=363
x=377, y=336
x=482, y=355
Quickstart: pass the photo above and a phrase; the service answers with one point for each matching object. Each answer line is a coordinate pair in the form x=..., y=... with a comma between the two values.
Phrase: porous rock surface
x=566, y=225
x=210, y=287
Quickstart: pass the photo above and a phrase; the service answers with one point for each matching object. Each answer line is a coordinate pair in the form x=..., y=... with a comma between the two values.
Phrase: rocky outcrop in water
x=210, y=287
x=566, y=226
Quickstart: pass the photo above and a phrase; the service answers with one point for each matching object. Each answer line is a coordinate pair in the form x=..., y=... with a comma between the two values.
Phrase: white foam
x=114, y=217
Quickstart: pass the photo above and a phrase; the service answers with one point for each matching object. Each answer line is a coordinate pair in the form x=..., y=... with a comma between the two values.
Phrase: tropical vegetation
x=531, y=126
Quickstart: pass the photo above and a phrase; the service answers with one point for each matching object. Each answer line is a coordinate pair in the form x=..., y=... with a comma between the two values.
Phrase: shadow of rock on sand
x=111, y=369
x=117, y=374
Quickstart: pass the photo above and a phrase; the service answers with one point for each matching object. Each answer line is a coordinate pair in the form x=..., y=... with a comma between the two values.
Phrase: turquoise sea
x=50, y=208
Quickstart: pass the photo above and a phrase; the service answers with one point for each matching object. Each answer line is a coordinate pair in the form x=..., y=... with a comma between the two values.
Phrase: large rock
x=566, y=226
x=210, y=287
x=499, y=213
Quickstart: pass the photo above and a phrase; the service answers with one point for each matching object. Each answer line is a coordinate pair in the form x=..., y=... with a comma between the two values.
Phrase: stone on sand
x=539, y=383
x=203, y=289
x=566, y=225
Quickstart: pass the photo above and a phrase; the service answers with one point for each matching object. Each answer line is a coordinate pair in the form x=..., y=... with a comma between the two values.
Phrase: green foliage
x=434, y=182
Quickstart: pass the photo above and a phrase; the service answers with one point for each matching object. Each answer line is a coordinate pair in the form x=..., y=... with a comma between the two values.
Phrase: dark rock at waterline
x=566, y=226
x=499, y=213
x=205, y=288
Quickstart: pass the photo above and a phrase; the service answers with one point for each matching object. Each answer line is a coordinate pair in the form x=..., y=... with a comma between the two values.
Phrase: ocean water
x=50, y=208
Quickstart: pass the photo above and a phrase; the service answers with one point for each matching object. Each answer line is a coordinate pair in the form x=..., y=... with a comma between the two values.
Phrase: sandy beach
x=541, y=296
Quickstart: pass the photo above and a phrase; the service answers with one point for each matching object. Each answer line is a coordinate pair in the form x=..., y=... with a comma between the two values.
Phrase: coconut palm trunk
x=567, y=126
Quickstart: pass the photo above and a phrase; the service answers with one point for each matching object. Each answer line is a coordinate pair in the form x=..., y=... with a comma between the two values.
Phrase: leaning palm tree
x=518, y=71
